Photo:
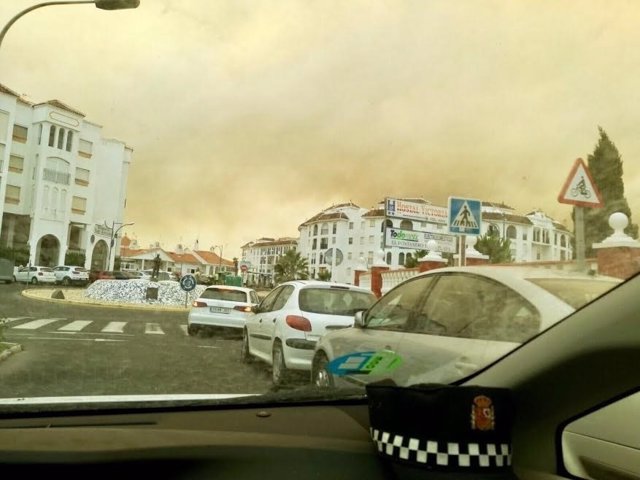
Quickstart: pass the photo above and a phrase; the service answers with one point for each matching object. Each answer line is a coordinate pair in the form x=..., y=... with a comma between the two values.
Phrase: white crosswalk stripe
x=13, y=319
x=153, y=328
x=114, y=327
x=35, y=324
x=75, y=326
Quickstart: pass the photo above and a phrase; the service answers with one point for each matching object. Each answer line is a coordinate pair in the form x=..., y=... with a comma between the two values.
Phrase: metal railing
x=56, y=177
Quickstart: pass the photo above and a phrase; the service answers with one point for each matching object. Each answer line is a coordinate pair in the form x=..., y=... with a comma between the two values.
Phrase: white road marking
x=207, y=346
x=78, y=339
x=114, y=327
x=184, y=329
x=35, y=324
x=75, y=326
x=154, y=329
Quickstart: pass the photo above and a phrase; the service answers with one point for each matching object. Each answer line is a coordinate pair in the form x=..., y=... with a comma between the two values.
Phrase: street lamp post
x=114, y=234
x=101, y=4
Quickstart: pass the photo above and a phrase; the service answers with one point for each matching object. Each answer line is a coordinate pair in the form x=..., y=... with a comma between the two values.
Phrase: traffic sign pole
x=579, y=219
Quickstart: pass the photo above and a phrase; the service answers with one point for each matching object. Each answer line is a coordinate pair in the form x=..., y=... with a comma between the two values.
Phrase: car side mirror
x=255, y=309
x=359, y=319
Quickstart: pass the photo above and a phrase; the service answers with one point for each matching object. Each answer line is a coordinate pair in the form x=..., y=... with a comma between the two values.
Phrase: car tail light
x=242, y=308
x=299, y=323
x=199, y=304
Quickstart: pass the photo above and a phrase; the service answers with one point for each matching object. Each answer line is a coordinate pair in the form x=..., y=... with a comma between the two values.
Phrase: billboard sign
x=416, y=211
x=396, y=237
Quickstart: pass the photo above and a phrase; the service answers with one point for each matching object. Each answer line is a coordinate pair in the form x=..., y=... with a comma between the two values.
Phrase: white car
x=445, y=324
x=221, y=306
x=67, y=275
x=293, y=317
x=34, y=275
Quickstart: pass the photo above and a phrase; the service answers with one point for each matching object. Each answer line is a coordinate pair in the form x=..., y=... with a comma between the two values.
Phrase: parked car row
x=441, y=325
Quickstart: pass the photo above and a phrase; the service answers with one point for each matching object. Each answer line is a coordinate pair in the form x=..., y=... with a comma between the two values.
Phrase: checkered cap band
x=444, y=455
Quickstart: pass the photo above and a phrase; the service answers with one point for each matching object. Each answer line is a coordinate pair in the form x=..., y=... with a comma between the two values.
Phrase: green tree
x=324, y=275
x=605, y=165
x=412, y=259
x=291, y=266
x=498, y=249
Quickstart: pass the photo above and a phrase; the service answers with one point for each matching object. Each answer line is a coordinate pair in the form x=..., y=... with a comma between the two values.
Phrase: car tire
x=279, y=372
x=66, y=281
x=320, y=377
x=245, y=354
x=34, y=281
x=192, y=329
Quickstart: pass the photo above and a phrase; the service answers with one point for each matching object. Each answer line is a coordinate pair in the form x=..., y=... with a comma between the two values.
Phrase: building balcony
x=56, y=177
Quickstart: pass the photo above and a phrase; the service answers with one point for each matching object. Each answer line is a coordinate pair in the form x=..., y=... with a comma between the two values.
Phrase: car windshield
x=225, y=294
x=331, y=301
x=432, y=182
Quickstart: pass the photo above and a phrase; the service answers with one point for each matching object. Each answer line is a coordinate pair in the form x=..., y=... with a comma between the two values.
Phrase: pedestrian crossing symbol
x=464, y=216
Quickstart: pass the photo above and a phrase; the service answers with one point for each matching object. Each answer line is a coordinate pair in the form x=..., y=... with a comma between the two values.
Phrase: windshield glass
x=429, y=183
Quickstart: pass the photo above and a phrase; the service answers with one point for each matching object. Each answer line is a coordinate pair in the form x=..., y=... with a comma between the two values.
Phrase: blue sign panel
x=465, y=216
x=188, y=283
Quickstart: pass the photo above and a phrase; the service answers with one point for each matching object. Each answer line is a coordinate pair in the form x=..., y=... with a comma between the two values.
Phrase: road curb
x=10, y=351
x=28, y=294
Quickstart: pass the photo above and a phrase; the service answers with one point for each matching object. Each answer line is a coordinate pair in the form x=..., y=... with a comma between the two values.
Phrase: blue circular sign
x=188, y=283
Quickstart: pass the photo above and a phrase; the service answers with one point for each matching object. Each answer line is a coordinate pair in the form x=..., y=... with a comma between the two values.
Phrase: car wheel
x=66, y=281
x=320, y=376
x=193, y=329
x=34, y=281
x=245, y=355
x=279, y=373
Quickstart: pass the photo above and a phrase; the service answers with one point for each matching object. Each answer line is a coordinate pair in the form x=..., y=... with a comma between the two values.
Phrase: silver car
x=445, y=324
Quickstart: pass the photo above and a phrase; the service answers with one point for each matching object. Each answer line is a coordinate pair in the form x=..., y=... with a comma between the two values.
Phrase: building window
x=82, y=176
x=335, y=228
x=406, y=225
x=536, y=234
x=524, y=235
x=57, y=171
x=12, y=195
x=39, y=134
x=86, y=149
x=324, y=243
x=372, y=223
x=388, y=258
x=52, y=136
x=350, y=240
x=69, y=140
x=350, y=225
x=61, y=138
x=512, y=232
x=314, y=244
x=350, y=256
x=20, y=134
x=493, y=230
x=401, y=259
x=325, y=229
x=563, y=241
x=315, y=229
x=370, y=258
x=79, y=205
x=370, y=239
x=333, y=240
x=16, y=164
x=362, y=225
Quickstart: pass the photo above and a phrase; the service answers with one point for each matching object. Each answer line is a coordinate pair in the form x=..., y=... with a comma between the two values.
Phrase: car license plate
x=218, y=309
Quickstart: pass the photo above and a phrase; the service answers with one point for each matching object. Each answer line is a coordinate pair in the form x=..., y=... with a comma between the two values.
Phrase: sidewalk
x=76, y=296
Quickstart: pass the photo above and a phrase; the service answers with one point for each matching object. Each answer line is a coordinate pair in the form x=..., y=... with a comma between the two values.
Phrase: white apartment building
x=61, y=182
x=261, y=255
x=345, y=237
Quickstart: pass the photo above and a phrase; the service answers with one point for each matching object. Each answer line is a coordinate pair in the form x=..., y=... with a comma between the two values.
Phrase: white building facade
x=261, y=255
x=61, y=182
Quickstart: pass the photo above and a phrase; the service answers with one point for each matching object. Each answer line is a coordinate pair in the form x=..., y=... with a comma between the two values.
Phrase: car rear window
x=575, y=292
x=334, y=301
x=224, y=294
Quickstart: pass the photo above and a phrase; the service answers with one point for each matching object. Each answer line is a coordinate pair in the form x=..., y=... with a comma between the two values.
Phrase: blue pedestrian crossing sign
x=465, y=216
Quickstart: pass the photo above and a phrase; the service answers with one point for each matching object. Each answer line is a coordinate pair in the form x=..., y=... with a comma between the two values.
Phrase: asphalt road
x=82, y=350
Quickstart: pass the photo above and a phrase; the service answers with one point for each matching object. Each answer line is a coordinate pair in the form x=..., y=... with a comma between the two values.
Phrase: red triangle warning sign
x=580, y=189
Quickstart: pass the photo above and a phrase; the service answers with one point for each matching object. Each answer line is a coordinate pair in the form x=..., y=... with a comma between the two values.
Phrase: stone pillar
x=359, y=270
x=431, y=260
x=618, y=255
x=379, y=266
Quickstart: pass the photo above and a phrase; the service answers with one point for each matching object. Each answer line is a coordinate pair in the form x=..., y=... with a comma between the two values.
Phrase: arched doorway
x=99, y=256
x=48, y=251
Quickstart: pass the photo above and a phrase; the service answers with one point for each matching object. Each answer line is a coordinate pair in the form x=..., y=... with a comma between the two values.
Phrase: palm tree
x=291, y=266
